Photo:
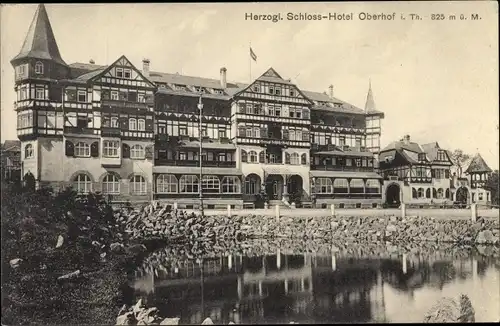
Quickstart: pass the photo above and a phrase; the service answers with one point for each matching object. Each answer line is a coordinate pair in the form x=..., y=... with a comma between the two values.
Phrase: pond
x=314, y=287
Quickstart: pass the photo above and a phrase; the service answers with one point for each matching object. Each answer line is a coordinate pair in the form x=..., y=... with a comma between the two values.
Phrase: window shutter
x=303, y=159
x=263, y=132
x=149, y=152
x=243, y=156
x=286, y=134
x=241, y=131
x=287, y=158
x=262, y=157
x=70, y=148
x=305, y=135
x=94, y=149
x=125, y=151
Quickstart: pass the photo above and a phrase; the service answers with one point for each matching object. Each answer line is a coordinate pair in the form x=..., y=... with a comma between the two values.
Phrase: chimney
x=406, y=139
x=91, y=61
x=145, y=67
x=223, y=82
x=330, y=93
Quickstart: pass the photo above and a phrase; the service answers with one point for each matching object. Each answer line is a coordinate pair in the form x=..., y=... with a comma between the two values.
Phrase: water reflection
x=306, y=288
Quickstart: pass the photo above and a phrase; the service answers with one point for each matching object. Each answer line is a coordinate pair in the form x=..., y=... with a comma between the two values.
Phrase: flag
x=252, y=55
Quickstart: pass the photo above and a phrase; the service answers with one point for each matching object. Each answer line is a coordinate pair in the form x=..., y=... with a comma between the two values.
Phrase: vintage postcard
x=250, y=163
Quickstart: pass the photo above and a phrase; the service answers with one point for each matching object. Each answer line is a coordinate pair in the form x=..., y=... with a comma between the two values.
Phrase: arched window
x=132, y=124
x=244, y=156
x=414, y=193
x=294, y=159
x=82, y=184
x=428, y=193
x=210, y=184
x=39, y=68
x=372, y=186
x=357, y=186
x=28, y=151
x=231, y=184
x=166, y=184
x=82, y=150
x=341, y=185
x=303, y=159
x=252, y=184
x=252, y=157
x=440, y=193
x=189, y=184
x=137, y=152
x=111, y=184
x=141, y=124
x=434, y=193
x=421, y=193
x=447, y=194
x=323, y=186
x=138, y=185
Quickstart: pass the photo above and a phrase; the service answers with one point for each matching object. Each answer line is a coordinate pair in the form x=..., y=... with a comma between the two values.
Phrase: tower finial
x=370, y=102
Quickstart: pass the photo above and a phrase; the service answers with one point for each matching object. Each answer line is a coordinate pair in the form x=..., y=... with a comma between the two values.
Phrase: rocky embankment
x=153, y=221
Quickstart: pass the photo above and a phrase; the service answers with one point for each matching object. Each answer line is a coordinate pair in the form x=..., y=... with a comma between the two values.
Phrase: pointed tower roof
x=478, y=165
x=40, y=42
x=370, y=102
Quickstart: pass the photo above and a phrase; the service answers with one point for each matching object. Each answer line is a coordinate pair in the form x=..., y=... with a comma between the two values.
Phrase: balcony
x=110, y=132
x=195, y=163
x=419, y=179
x=111, y=161
x=126, y=104
x=273, y=141
x=341, y=168
x=79, y=130
x=269, y=118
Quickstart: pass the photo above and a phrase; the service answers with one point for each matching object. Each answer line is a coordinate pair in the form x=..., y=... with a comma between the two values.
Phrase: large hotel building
x=134, y=134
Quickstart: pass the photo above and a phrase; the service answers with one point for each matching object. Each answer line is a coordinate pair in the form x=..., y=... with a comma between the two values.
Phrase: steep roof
x=400, y=144
x=40, y=42
x=478, y=165
x=11, y=144
x=431, y=149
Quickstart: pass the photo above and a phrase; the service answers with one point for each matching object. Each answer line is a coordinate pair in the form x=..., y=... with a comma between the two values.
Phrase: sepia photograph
x=250, y=163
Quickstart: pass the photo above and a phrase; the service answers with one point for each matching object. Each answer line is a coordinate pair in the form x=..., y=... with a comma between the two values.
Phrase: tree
x=459, y=158
x=492, y=185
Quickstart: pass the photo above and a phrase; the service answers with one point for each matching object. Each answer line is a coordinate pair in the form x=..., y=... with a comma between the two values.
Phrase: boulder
x=170, y=321
x=207, y=321
x=60, y=241
x=14, y=263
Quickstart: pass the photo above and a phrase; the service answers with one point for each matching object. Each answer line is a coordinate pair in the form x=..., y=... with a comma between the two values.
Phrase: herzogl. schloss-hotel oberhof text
x=317, y=17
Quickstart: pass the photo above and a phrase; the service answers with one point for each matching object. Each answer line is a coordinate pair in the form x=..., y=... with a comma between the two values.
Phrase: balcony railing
x=419, y=179
x=341, y=168
x=195, y=163
x=126, y=104
x=110, y=132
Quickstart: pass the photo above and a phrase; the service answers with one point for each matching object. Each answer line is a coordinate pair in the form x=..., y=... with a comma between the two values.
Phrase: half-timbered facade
x=136, y=134
x=471, y=188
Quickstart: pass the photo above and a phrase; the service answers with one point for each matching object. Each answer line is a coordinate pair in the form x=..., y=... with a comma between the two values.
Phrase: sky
x=436, y=80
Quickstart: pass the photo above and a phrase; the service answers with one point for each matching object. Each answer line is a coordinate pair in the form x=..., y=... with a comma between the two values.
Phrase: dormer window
x=421, y=157
x=199, y=89
x=162, y=86
x=218, y=91
x=441, y=156
x=277, y=91
x=180, y=87
x=39, y=68
x=82, y=96
x=127, y=73
x=119, y=72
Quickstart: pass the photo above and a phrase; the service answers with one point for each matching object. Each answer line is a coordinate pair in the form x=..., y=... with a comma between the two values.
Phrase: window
x=341, y=185
x=372, y=186
x=28, y=151
x=114, y=122
x=277, y=91
x=40, y=94
x=111, y=184
x=137, y=152
x=252, y=155
x=82, y=96
x=141, y=98
x=294, y=159
x=127, y=73
x=166, y=184
x=292, y=92
x=252, y=184
x=256, y=88
x=189, y=184
x=480, y=196
x=82, y=184
x=39, y=68
x=132, y=124
x=420, y=193
x=231, y=184
x=82, y=150
x=440, y=193
x=138, y=185
x=421, y=156
x=323, y=186
x=119, y=72
x=110, y=148
x=114, y=95
x=441, y=156
x=271, y=90
x=82, y=122
x=141, y=125
x=210, y=184
x=24, y=93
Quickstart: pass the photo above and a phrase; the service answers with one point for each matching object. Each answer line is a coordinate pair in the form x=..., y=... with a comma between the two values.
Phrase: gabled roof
x=478, y=165
x=11, y=145
x=400, y=145
x=40, y=42
x=431, y=149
